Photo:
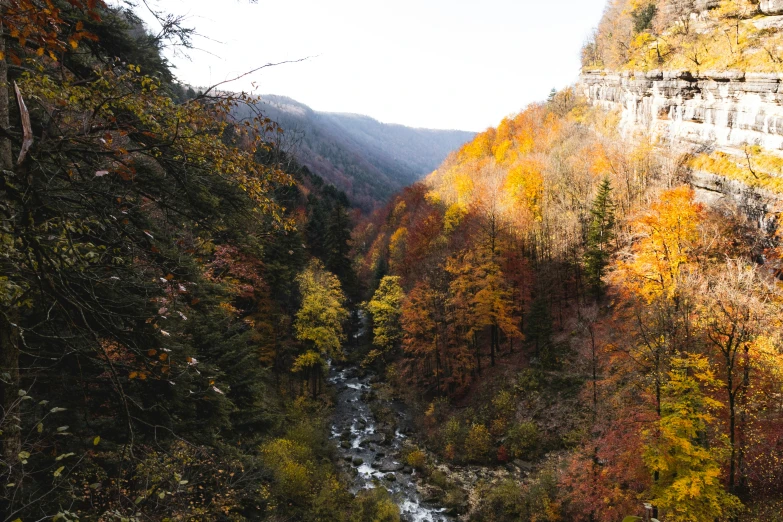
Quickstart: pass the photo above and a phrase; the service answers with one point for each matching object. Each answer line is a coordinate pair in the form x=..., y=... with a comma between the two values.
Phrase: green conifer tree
x=599, y=235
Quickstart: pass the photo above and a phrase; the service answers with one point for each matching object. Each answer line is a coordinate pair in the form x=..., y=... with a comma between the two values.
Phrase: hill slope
x=367, y=159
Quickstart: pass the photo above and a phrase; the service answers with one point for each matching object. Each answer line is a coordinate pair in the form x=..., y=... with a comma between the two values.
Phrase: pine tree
x=337, y=249
x=599, y=235
x=539, y=331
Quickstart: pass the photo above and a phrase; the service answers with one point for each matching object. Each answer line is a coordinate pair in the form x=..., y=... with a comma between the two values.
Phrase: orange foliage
x=668, y=234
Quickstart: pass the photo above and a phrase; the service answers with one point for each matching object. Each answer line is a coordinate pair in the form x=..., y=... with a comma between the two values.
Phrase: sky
x=443, y=64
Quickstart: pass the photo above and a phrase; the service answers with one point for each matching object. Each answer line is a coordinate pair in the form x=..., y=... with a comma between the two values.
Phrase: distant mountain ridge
x=367, y=159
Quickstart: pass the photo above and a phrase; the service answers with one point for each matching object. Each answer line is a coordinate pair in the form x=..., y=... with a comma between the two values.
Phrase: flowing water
x=374, y=453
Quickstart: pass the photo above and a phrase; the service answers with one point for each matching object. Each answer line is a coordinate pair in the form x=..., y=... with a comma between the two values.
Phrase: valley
x=219, y=306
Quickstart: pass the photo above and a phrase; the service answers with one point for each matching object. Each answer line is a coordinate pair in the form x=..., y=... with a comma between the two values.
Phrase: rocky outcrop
x=716, y=109
x=771, y=6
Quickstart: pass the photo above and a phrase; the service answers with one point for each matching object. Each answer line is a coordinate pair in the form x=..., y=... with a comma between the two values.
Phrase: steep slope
x=704, y=78
x=367, y=159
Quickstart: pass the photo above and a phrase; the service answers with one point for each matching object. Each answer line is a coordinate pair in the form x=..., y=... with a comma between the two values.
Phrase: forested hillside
x=363, y=157
x=219, y=308
x=575, y=319
x=169, y=285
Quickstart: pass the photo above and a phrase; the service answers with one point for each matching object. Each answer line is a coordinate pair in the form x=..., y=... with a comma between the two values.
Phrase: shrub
x=523, y=439
x=416, y=459
x=528, y=381
x=450, y=452
x=292, y=468
x=503, y=454
x=498, y=427
x=453, y=432
x=502, y=501
x=375, y=505
x=477, y=443
x=504, y=404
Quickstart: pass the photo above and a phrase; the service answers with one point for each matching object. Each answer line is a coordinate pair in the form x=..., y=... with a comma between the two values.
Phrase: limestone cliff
x=727, y=109
x=717, y=111
x=724, y=112
x=703, y=78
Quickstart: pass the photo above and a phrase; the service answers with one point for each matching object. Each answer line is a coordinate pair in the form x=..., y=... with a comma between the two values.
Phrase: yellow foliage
x=292, y=465
x=668, y=233
x=525, y=188
x=397, y=244
x=477, y=443
x=452, y=217
x=416, y=459
x=689, y=487
x=756, y=169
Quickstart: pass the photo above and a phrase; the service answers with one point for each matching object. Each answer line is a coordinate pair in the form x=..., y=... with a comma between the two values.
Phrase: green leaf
x=62, y=428
x=59, y=471
x=96, y=440
x=40, y=427
x=631, y=519
x=64, y=456
x=56, y=410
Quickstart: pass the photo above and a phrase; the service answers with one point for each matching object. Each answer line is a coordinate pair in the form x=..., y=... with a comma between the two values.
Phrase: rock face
x=771, y=6
x=717, y=109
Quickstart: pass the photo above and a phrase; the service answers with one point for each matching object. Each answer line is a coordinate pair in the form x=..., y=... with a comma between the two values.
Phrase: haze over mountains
x=367, y=159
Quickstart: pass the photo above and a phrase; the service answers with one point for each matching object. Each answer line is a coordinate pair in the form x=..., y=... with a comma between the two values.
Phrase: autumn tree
x=689, y=485
x=385, y=308
x=422, y=320
x=732, y=313
x=319, y=321
x=480, y=298
x=664, y=253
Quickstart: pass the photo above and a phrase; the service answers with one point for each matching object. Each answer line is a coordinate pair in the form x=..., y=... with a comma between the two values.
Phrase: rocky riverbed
x=371, y=450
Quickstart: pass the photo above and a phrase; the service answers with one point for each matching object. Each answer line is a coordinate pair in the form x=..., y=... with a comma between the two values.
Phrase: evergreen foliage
x=599, y=236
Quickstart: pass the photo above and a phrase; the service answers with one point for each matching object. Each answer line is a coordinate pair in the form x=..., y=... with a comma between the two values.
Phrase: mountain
x=367, y=159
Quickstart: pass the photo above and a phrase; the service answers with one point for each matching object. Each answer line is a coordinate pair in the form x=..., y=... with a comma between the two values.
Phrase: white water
x=354, y=417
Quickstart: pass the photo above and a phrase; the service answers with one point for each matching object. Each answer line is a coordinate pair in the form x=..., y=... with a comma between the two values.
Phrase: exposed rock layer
x=715, y=110
x=771, y=6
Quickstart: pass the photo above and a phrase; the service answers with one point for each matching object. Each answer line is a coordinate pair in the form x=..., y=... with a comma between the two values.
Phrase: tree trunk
x=478, y=353
x=437, y=364
x=493, y=343
x=9, y=316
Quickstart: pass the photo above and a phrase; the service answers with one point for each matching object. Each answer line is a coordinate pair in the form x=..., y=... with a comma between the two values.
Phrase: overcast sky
x=448, y=64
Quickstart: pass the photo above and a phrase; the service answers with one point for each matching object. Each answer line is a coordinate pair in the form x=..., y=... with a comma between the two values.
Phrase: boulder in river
x=358, y=461
x=388, y=465
x=430, y=493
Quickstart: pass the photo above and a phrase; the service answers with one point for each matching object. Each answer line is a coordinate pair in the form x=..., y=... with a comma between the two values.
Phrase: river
x=373, y=451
